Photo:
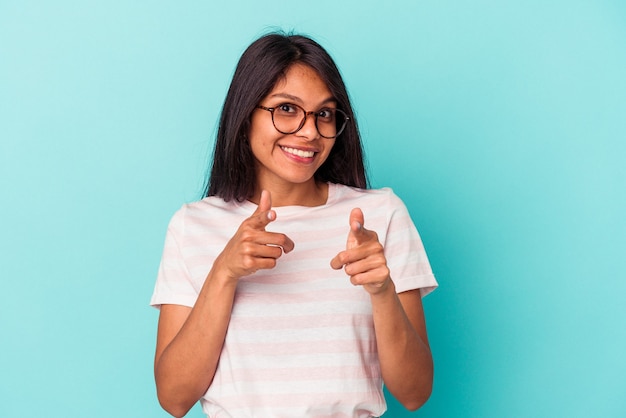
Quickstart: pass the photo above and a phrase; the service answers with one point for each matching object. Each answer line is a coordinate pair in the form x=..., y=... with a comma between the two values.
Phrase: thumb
x=357, y=230
x=264, y=213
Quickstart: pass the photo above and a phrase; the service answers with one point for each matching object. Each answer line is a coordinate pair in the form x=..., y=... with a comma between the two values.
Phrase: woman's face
x=291, y=159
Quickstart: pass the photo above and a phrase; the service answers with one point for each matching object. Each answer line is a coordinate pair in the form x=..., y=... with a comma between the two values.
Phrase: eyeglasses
x=290, y=118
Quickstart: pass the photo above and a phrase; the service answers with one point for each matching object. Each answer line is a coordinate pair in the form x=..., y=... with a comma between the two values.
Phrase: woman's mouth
x=298, y=152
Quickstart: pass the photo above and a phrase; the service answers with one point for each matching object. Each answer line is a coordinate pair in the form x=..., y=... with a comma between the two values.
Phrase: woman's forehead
x=301, y=83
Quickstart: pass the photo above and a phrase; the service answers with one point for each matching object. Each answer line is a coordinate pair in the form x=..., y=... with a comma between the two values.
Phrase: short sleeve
x=405, y=253
x=174, y=284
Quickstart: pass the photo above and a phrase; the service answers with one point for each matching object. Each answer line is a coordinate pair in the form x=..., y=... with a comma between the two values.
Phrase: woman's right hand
x=253, y=248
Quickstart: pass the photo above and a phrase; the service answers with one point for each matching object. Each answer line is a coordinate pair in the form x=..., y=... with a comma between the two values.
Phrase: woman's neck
x=309, y=194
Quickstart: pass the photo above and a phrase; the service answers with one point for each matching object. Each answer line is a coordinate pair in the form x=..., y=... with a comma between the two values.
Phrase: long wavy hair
x=262, y=65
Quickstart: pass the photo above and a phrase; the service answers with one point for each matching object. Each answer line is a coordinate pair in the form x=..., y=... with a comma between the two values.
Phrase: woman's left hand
x=363, y=259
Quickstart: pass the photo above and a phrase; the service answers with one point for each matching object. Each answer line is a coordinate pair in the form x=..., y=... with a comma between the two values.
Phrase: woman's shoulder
x=208, y=210
x=380, y=196
x=211, y=203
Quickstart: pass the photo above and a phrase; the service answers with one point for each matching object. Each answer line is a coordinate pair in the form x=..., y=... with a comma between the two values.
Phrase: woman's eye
x=326, y=114
x=286, y=108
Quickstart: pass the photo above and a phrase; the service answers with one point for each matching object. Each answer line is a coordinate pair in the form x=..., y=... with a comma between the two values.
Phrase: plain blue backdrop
x=500, y=123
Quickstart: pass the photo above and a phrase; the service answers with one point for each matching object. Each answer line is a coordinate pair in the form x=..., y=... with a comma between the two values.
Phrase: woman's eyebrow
x=299, y=100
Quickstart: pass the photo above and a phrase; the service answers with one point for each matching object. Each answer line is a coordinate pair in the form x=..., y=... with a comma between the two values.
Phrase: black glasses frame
x=346, y=118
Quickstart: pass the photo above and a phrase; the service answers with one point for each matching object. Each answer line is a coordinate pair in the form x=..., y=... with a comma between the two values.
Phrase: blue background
x=500, y=123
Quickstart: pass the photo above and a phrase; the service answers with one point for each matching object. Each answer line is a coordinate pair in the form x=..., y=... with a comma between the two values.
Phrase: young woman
x=291, y=290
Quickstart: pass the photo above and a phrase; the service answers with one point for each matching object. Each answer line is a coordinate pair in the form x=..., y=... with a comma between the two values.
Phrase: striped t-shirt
x=301, y=341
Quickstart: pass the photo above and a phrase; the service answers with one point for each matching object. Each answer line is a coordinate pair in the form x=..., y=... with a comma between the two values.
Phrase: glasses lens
x=331, y=122
x=288, y=118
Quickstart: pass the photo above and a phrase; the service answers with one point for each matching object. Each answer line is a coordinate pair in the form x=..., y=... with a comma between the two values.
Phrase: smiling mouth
x=298, y=152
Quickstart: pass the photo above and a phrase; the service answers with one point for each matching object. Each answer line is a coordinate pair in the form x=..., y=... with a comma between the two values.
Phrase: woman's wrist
x=383, y=289
x=220, y=278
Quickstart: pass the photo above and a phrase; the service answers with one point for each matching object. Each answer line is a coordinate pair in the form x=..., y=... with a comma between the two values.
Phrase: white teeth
x=299, y=152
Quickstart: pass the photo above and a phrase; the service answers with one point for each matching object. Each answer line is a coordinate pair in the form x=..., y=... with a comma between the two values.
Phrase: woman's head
x=261, y=67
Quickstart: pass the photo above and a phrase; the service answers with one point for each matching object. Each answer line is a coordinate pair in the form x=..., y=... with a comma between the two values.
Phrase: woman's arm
x=403, y=350
x=190, y=340
x=405, y=358
x=189, y=343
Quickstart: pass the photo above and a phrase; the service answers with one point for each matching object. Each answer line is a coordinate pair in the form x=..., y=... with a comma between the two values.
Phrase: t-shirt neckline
x=294, y=209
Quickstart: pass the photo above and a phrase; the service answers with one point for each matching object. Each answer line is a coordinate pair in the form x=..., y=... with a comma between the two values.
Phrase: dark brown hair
x=260, y=67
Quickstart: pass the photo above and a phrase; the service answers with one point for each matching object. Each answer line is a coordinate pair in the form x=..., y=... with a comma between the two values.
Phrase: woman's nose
x=309, y=129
